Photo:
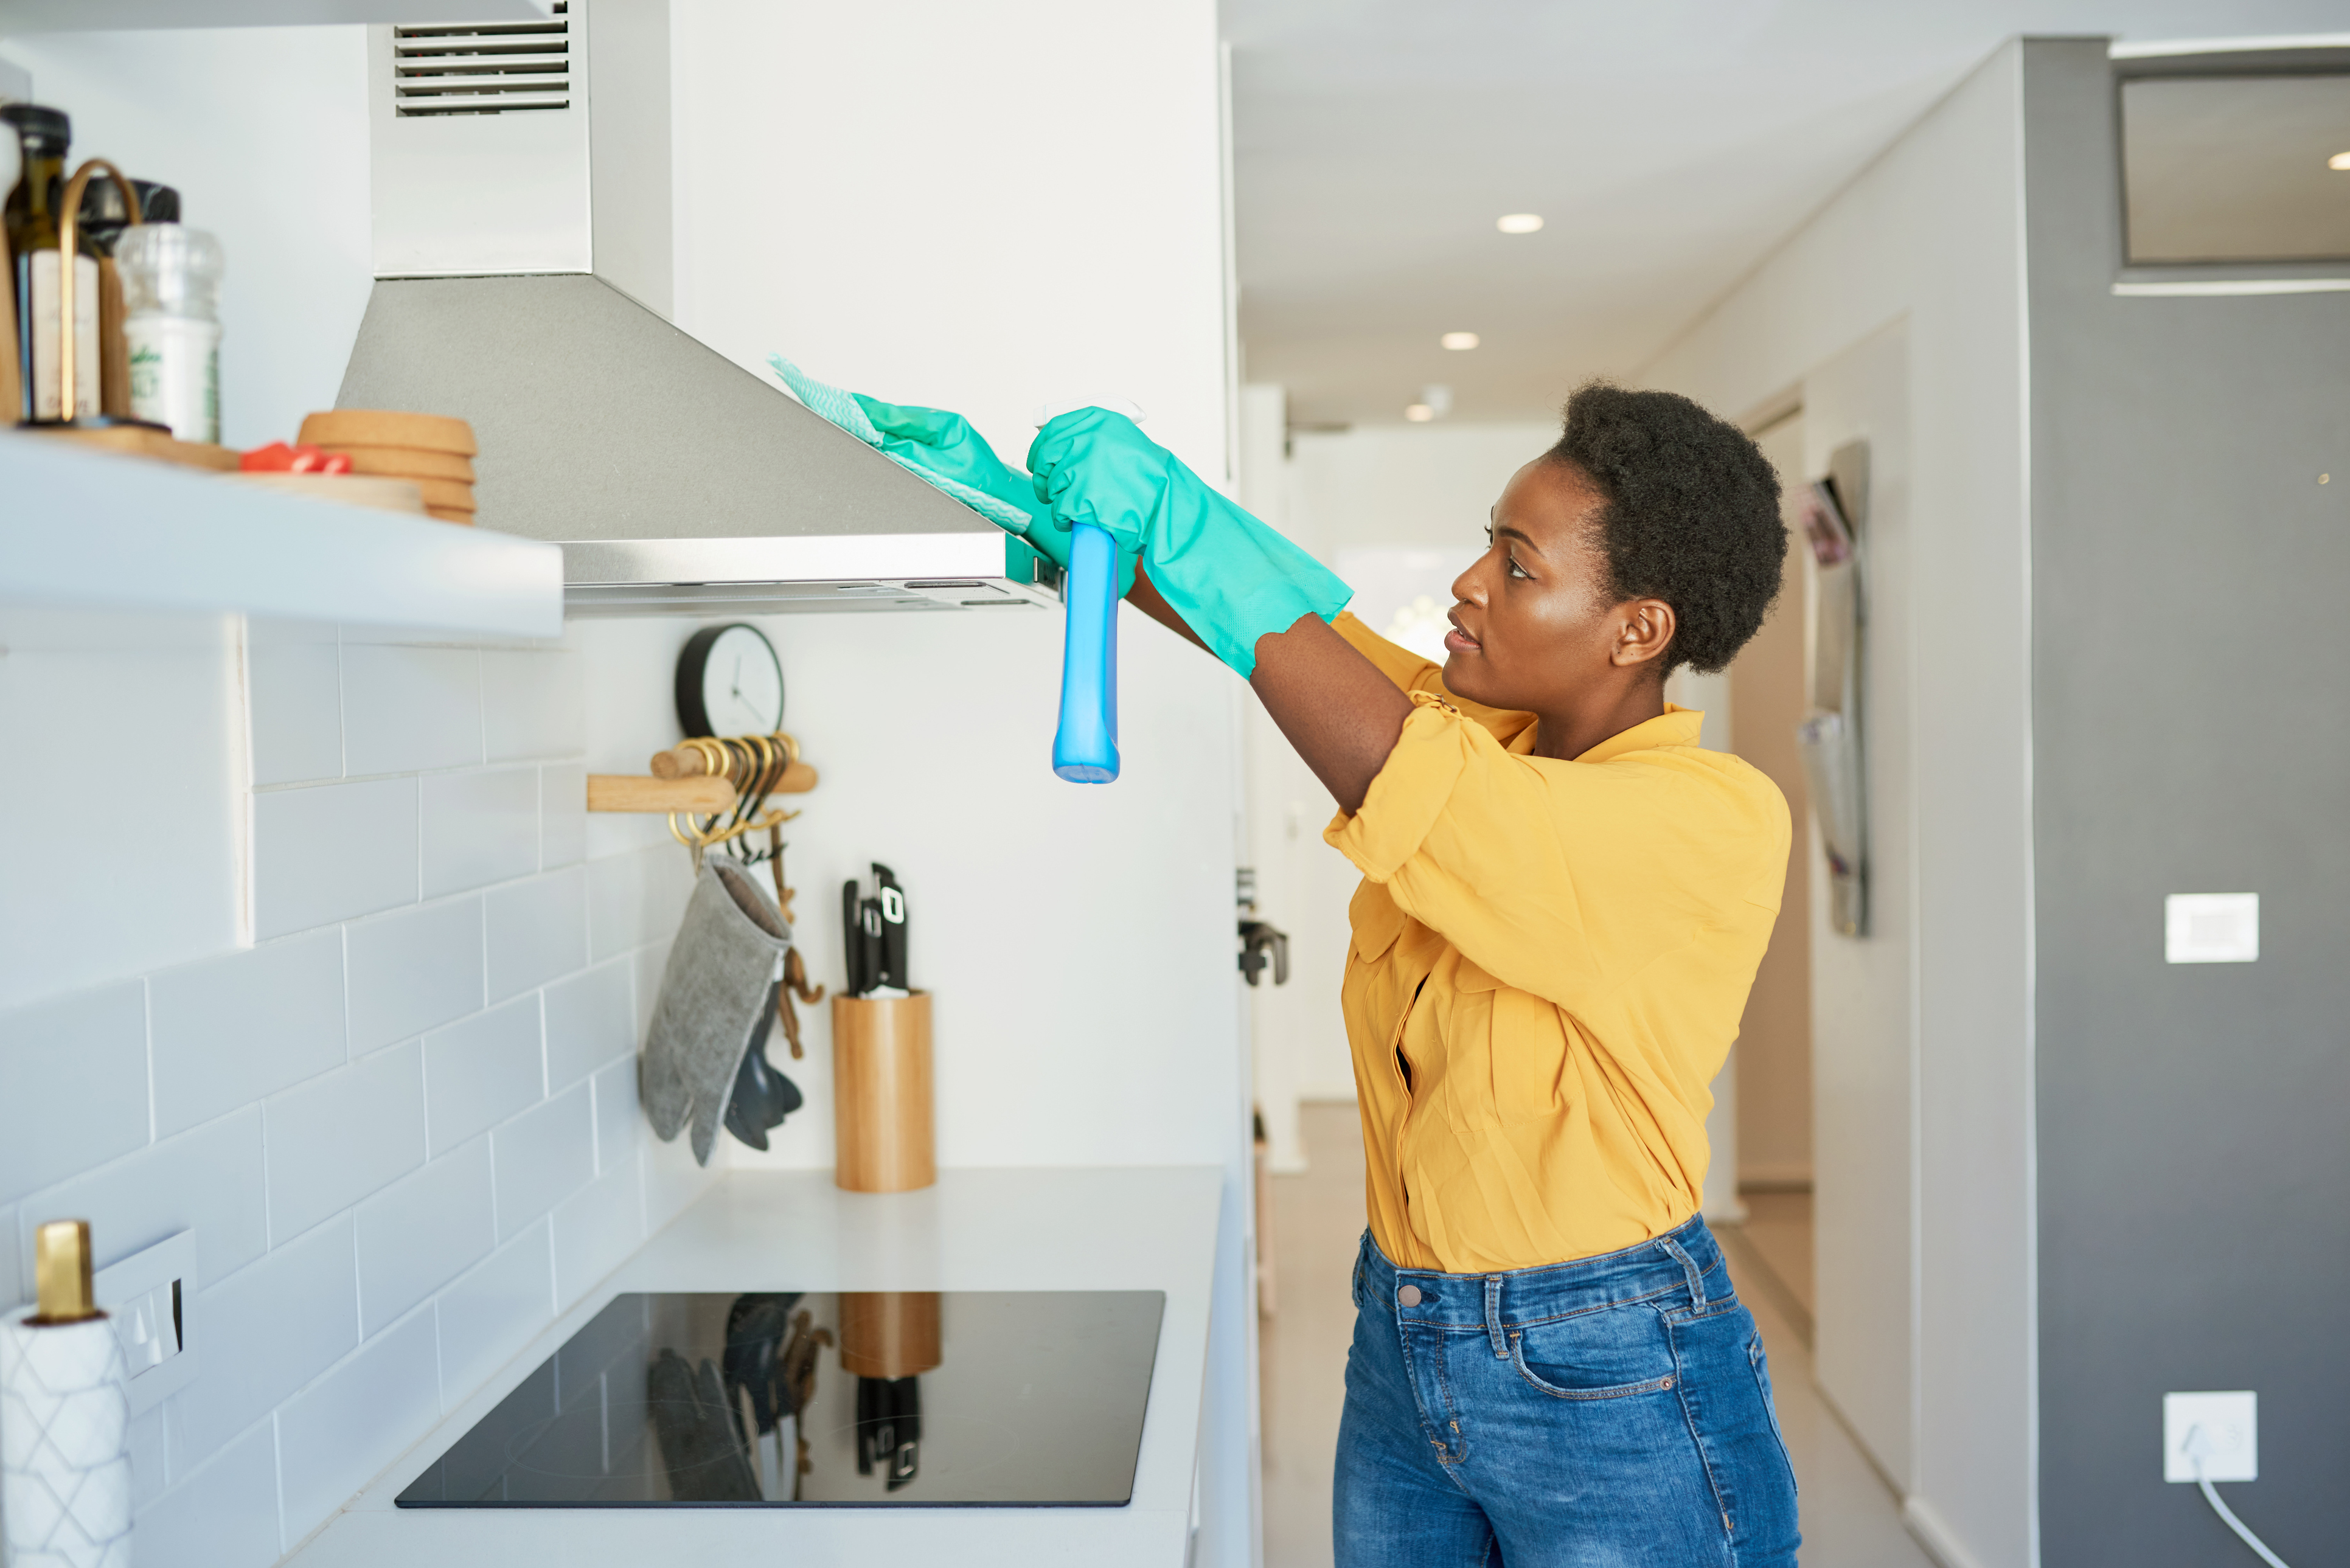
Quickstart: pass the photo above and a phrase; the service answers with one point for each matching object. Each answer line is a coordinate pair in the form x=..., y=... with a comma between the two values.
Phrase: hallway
x=1851, y=1520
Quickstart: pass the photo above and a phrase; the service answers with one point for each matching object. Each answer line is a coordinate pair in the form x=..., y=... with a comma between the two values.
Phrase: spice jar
x=170, y=287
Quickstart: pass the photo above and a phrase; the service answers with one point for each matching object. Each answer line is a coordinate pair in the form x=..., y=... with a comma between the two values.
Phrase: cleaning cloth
x=721, y=972
x=847, y=410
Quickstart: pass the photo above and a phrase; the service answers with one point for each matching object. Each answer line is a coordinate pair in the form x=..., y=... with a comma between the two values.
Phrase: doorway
x=1774, y=1041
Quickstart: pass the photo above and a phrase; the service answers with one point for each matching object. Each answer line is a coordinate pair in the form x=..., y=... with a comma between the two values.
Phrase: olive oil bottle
x=31, y=218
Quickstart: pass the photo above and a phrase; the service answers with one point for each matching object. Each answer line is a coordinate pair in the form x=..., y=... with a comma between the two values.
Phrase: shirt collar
x=1676, y=726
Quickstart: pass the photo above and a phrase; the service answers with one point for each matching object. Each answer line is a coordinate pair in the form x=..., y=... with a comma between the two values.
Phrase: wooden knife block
x=888, y=1334
x=881, y=1094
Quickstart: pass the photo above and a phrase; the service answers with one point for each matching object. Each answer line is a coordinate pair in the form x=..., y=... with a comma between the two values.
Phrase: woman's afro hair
x=1691, y=518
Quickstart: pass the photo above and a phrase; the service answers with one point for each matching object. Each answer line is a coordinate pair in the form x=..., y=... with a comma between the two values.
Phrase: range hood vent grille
x=482, y=68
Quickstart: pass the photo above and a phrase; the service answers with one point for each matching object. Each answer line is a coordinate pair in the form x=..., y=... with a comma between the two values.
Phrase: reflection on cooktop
x=858, y=1399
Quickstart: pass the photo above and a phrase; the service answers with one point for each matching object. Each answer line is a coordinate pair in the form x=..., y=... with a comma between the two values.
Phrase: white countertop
x=1035, y=1230
x=97, y=530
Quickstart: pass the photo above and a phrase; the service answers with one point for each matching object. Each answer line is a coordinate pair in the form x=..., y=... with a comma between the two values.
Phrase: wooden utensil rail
x=678, y=784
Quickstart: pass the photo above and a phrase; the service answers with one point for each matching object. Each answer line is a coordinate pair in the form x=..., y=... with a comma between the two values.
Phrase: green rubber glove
x=944, y=443
x=1231, y=578
x=944, y=449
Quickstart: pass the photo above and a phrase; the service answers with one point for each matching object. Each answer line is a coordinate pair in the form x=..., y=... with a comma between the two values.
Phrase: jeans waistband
x=1685, y=1261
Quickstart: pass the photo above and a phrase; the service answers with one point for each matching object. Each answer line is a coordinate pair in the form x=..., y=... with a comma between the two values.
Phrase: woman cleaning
x=1564, y=901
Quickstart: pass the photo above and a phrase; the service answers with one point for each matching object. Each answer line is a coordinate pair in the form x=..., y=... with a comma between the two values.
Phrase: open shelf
x=95, y=530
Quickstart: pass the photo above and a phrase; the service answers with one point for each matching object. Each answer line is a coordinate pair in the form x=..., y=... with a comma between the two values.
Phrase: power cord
x=2198, y=1446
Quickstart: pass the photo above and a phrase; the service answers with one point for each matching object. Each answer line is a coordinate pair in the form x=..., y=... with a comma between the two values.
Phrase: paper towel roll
x=65, y=1461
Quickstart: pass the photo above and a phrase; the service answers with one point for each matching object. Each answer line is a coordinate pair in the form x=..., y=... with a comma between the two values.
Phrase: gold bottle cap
x=61, y=1272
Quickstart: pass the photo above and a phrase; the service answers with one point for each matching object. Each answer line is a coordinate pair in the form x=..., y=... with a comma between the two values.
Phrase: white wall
x=984, y=209
x=1929, y=237
x=1074, y=939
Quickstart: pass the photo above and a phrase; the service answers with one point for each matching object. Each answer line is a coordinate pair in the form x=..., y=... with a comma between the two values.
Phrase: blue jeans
x=1613, y=1412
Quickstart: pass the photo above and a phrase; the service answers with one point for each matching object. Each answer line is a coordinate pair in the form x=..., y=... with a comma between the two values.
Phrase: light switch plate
x=2230, y=1423
x=2211, y=928
x=151, y=1298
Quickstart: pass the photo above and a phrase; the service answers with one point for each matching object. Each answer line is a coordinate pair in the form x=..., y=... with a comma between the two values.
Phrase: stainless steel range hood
x=523, y=259
x=675, y=480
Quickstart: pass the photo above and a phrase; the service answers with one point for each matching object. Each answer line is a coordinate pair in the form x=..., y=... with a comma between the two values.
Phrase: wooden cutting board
x=382, y=427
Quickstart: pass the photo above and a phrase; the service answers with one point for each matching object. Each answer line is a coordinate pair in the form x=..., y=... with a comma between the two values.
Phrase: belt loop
x=1688, y=1267
x=1493, y=1317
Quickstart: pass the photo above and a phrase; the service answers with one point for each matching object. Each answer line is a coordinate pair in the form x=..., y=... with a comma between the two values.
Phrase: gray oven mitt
x=720, y=972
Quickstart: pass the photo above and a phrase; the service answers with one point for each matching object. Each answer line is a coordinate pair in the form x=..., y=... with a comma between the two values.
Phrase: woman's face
x=1537, y=626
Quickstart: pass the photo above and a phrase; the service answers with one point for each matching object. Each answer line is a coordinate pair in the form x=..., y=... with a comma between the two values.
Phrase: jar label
x=40, y=291
x=176, y=374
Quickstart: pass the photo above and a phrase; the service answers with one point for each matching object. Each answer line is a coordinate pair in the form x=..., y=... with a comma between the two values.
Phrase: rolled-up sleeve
x=1523, y=864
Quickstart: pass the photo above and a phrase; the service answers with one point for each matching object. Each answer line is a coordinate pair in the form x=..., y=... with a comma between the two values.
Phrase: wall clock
x=730, y=683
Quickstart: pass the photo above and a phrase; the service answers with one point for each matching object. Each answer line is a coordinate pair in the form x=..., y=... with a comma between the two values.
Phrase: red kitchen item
x=279, y=458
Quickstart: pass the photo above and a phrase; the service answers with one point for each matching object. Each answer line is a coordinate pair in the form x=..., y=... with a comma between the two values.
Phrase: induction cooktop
x=814, y=1399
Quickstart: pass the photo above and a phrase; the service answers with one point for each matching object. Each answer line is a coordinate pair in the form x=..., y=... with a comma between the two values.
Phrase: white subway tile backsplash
x=617, y=1126
x=150, y=1469
x=268, y=1330
x=562, y=814
x=480, y=1072
x=332, y=851
x=537, y=930
x=650, y=964
x=543, y=1157
x=232, y=1029
x=223, y=1516
x=208, y=1180
x=636, y=898
x=335, y=1435
x=410, y=707
x=412, y=970
x=533, y=704
x=595, y=1230
x=338, y=1087
x=335, y=1139
x=424, y=1231
x=73, y=1085
x=493, y=1312
x=590, y=1019
x=293, y=689
x=479, y=827
x=671, y=1178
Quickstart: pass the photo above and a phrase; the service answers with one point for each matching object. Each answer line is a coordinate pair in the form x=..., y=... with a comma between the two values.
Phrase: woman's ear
x=1644, y=630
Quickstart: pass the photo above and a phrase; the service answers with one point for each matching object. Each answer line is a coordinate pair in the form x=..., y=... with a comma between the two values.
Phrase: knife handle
x=1084, y=748
x=893, y=935
x=852, y=947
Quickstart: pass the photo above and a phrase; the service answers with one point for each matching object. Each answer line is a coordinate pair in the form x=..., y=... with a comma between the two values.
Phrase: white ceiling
x=1668, y=143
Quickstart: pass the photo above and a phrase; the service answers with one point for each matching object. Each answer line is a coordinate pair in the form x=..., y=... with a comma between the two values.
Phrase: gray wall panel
x=2191, y=732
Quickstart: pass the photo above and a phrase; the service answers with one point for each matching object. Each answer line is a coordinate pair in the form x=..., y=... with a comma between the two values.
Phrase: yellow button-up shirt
x=1561, y=951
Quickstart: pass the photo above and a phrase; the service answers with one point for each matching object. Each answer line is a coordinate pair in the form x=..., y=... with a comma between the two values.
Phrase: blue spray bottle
x=1085, y=747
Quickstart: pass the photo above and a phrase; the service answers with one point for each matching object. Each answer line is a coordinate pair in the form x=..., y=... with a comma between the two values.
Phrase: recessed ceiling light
x=1459, y=340
x=1420, y=413
x=2339, y=161
x=1519, y=223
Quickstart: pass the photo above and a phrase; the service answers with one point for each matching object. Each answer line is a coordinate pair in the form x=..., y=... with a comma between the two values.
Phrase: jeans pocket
x=1757, y=1359
x=1607, y=1356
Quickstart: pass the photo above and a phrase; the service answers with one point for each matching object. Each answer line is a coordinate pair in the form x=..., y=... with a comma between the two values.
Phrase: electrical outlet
x=149, y=1296
x=2225, y=1426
